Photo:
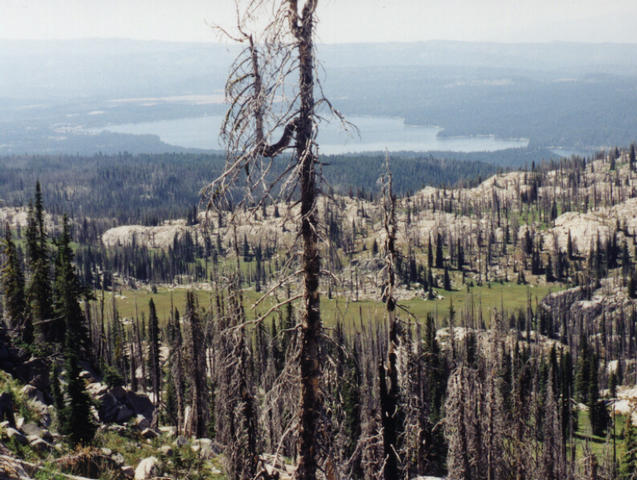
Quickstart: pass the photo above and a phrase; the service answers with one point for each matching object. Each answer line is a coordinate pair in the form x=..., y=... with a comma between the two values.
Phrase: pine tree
x=439, y=254
x=583, y=375
x=435, y=382
x=67, y=290
x=75, y=418
x=56, y=393
x=632, y=285
x=461, y=260
x=197, y=366
x=548, y=271
x=598, y=414
x=629, y=462
x=446, y=280
x=350, y=393
x=554, y=210
x=569, y=246
x=39, y=293
x=155, y=372
x=12, y=281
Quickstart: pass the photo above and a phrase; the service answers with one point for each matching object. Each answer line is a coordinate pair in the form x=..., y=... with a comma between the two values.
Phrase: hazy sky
x=340, y=20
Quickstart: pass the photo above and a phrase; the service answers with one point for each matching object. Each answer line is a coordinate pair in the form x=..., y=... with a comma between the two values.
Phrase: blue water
x=375, y=134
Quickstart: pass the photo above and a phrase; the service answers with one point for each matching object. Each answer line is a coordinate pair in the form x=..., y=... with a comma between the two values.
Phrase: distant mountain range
x=570, y=95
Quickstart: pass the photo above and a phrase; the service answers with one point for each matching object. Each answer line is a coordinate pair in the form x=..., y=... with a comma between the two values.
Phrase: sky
x=339, y=20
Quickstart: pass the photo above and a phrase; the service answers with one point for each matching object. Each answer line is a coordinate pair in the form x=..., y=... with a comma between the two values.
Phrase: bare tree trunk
x=311, y=261
x=284, y=46
x=389, y=391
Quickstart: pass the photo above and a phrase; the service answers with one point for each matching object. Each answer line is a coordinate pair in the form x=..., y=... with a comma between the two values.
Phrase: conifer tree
x=446, y=280
x=439, y=254
x=155, y=372
x=197, y=380
x=435, y=382
x=12, y=280
x=598, y=414
x=39, y=293
x=56, y=393
x=629, y=462
x=75, y=418
x=569, y=246
x=632, y=285
x=69, y=319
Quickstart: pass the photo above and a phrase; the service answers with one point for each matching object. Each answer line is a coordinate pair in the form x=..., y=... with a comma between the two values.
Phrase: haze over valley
x=62, y=96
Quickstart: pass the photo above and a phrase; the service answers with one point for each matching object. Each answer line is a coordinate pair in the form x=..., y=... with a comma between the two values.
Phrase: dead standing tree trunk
x=301, y=26
x=260, y=107
x=265, y=101
x=389, y=390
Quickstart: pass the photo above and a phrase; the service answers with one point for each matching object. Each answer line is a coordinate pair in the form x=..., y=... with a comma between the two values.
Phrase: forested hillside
x=148, y=189
x=518, y=292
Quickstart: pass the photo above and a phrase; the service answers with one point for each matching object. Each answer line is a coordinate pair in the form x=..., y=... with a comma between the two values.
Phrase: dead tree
x=260, y=107
x=391, y=414
x=237, y=406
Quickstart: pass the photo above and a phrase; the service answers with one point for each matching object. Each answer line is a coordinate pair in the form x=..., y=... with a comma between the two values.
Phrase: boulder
x=14, y=435
x=39, y=444
x=205, y=448
x=31, y=429
x=166, y=450
x=87, y=376
x=88, y=462
x=32, y=393
x=118, y=405
x=180, y=441
x=123, y=414
x=148, y=468
x=128, y=471
x=168, y=430
x=12, y=469
x=96, y=389
x=34, y=371
x=119, y=429
x=140, y=404
x=141, y=422
x=149, y=434
x=44, y=412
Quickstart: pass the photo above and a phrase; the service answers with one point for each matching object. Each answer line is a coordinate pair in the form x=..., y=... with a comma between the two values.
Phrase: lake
x=376, y=134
